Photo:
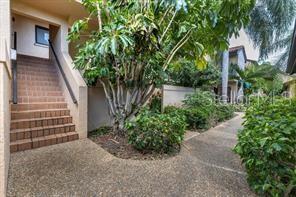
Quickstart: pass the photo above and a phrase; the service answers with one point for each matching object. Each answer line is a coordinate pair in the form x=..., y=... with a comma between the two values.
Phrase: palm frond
x=270, y=20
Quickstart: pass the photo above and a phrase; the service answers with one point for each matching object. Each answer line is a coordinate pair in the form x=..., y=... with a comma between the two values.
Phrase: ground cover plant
x=267, y=146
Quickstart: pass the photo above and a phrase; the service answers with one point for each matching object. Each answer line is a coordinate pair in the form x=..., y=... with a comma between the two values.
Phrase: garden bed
x=118, y=146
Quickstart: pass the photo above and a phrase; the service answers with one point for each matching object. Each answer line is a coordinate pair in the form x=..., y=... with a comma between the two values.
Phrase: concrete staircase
x=41, y=117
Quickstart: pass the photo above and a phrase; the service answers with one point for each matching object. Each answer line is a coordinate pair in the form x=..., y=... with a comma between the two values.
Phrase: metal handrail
x=14, y=81
x=14, y=72
x=63, y=73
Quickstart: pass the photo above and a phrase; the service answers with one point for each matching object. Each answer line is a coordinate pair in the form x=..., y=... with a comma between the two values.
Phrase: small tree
x=135, y=40
x=263, y=76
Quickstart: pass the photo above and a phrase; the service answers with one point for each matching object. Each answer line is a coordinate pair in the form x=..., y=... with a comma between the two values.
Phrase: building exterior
x=237, y=55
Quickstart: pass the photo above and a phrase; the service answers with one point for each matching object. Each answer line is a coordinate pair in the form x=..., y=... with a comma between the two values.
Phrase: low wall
x=174, y=95
x=98, y=110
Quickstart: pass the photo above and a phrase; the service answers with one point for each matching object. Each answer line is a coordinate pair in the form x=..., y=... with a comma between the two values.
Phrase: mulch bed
x=118, y=146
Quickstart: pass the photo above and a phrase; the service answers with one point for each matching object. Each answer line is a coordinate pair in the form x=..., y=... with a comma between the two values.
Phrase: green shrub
x=200, y=99
x=201, y=110
x=196, y=118
x=223, y=112
x=267, y=146
x=155, y=104
x=156, y=132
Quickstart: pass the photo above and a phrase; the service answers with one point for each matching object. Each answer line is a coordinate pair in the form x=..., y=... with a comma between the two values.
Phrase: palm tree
x=269, y=24
x=284, y=45
x=253, y=74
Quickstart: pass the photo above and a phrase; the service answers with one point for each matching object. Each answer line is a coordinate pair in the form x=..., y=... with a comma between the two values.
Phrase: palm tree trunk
x=225, y=73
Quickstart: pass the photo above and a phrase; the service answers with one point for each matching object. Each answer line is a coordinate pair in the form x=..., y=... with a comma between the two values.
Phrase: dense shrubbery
x=202, y=111
x=223, y=112
x=156, y=132
x=186, y=73
x=267, y=146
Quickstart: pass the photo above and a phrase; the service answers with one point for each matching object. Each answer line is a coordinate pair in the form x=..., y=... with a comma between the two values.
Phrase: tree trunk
x=118, y=125
x=225, y=72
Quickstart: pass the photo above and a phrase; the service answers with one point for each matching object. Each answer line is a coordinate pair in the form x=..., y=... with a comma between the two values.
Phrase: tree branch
x=167, y=28
x=176, y=48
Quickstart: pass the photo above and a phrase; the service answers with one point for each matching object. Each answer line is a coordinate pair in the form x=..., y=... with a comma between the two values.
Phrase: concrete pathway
x=206, y=166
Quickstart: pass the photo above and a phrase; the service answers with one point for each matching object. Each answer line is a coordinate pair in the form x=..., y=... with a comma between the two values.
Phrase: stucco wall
x=5, y=93
x=25, y=28
x=98, y=111
x=4, y=126
x=292, y=89
x=174, y=95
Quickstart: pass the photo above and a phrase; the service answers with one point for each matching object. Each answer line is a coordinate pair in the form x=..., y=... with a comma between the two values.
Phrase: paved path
x=206, y=166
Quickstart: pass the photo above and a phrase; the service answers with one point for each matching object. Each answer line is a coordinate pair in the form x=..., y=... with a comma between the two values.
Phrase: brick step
x=31, y=60
x=34, y=66
x=35, y=73
x=37, y=67
x=21, y=145
x=40, y=88
x=39, y=93
x=36, y=78
x=39, y=122
x=21, y=134
x=21, y=69
x=39, y=113
x=22, y=83
x=37, y=106
x=40, y=99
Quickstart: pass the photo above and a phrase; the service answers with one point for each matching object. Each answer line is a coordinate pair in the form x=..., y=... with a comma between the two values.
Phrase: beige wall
x=5, y=93
x=25, y=28
x=174, y=95
x=98, y=110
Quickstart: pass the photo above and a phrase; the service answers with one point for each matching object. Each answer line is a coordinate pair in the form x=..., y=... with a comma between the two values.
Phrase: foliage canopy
x=134, y=41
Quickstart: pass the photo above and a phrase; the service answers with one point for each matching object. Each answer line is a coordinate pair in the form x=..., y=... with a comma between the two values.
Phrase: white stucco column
x=5, y=92
x=225, y=72
x=241, y=62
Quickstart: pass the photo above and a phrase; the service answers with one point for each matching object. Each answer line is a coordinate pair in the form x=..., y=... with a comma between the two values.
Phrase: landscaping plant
x=156, y=132
x=202, y=111
x=130, y=43
x=267, y=146
x=187, y=73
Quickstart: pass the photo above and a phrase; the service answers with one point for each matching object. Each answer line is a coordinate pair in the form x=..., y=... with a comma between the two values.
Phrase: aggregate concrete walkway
x=206, y=166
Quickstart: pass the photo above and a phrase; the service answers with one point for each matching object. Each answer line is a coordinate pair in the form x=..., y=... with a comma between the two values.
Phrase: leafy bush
x=223, y=112
x=156, y=132
x=155, y=104
x=202, y=111
x=267, y=146
x=186, y=73
x=196, y=118
x=200, y=99
x=239, y=107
